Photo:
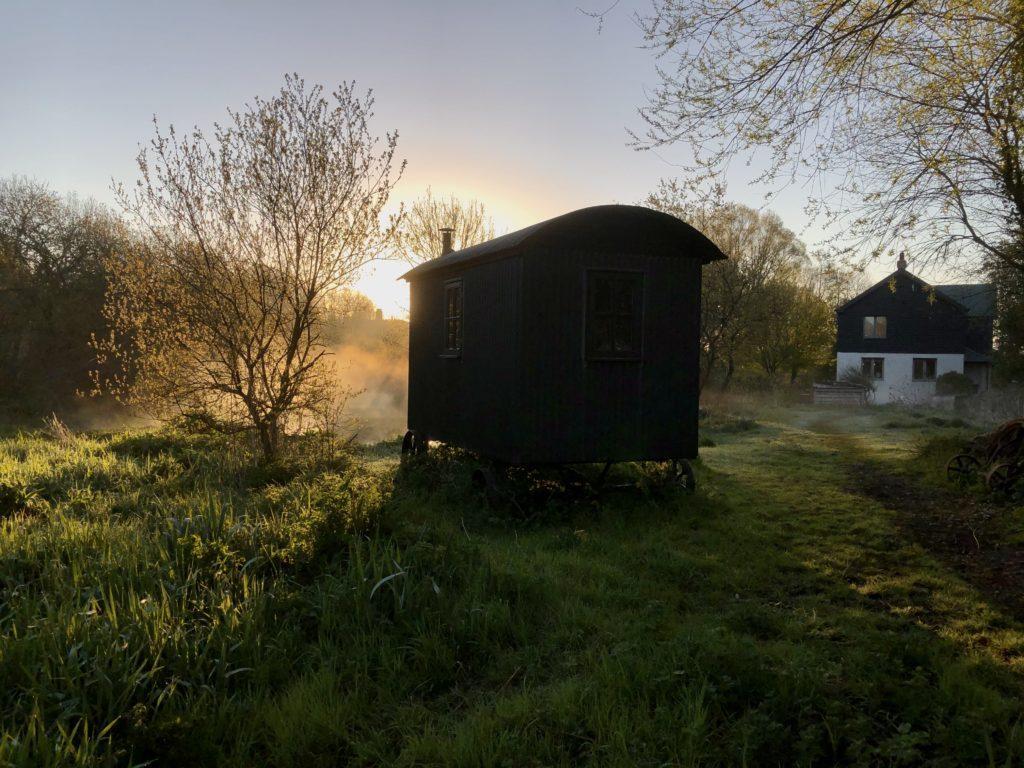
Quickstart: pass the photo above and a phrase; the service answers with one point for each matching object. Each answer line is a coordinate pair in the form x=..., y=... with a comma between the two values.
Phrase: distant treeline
x=52, y=281
x=53, y=278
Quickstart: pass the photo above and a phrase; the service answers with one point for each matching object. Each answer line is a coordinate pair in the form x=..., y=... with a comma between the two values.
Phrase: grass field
x=817, y=602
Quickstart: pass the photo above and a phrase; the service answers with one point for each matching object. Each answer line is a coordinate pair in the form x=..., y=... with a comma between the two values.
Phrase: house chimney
x=446, y=240
x=901, y=262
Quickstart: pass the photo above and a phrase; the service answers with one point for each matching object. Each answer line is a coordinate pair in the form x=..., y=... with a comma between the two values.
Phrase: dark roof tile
x=979, y=299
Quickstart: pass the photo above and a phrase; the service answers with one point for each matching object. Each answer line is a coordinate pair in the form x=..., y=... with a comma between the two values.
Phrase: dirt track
x=957, y=529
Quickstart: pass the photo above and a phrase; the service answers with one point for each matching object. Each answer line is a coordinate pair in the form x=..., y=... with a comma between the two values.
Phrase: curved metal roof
x=611, y=228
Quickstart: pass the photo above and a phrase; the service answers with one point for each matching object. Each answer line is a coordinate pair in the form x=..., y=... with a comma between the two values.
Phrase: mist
x=376, y=379
x=370, y=357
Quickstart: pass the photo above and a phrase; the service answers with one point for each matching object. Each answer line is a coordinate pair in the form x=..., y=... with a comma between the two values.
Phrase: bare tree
x=218, y=312
x=421, y=238
x=905, y=114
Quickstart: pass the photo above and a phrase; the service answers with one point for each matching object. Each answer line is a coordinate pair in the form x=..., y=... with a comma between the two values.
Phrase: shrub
x=856, y=376
x=954, y=383
x=733, y=424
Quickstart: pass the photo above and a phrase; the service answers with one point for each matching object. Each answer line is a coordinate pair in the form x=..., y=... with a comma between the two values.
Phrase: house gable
x=919, y=318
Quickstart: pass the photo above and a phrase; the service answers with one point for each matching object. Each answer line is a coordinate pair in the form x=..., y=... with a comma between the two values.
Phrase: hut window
x=453, y=317
x=614, y=315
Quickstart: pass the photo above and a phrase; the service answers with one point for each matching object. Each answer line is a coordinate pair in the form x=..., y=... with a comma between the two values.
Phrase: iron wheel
x=963, y=469
x=1001, y=477
x=683, y=475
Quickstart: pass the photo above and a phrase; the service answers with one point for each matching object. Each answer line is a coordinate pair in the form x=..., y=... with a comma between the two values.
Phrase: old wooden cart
x=997, y=458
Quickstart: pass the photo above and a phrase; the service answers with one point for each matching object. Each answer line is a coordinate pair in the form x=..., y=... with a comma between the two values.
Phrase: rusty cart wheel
x=963, y=469
x=683, y=475
x=1001, y=477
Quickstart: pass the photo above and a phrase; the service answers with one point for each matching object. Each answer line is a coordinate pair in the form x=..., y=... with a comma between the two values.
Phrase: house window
x=924, y=369
x=874, y=327
x=453, y=317
x=614, y=322
x=873, y=367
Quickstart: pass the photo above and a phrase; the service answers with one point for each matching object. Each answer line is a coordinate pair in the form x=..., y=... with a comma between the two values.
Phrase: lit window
x=874, y=327
x=873, y=367
x=924, y=369
x=453, y=317
x=614, y=315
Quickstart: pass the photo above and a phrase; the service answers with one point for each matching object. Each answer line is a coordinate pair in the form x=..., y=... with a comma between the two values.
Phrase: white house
x=904, y=333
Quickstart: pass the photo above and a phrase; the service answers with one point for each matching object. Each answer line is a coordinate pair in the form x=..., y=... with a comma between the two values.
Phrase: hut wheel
x=414, y=444
x=1001, y=477
x=963, y=468
x=683, y=475
x=485, y=480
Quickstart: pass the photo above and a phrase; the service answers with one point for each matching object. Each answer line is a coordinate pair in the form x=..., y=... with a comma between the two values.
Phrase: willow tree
x=906, y=113
x=244, y=237
x=468, y=220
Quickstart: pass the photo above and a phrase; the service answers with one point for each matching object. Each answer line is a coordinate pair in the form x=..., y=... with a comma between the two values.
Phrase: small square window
x=924, y=369
x=453, y=309
x=614, y=322
x=875, y=327
x=873, y=367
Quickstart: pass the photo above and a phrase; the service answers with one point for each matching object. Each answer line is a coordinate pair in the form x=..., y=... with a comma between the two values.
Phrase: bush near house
x=954, y=383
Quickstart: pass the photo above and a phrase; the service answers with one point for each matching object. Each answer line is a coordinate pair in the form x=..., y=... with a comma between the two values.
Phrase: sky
x=524, y=105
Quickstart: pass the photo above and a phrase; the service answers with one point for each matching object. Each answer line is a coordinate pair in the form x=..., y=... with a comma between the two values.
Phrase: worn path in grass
x=964, y=528
x=784, y=615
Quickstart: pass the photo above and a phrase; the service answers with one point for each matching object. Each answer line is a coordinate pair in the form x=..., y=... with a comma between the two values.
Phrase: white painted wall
x=899, y=386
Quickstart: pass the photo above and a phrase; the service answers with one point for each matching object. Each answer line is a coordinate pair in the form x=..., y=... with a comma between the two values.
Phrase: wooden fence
x=840, y=394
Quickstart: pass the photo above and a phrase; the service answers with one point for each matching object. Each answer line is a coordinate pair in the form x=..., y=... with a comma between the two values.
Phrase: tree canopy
x=904, y=115
x=52, y=279
x=421, y=236
x=763, y=307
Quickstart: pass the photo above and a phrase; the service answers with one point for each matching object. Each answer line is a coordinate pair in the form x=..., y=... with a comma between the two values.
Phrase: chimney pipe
x=446, y=240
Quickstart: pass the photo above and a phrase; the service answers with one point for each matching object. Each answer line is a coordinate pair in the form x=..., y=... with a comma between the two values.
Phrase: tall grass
x=165, y=600
x=155, y=587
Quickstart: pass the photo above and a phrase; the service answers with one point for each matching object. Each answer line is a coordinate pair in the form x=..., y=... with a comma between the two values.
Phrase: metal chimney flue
x=446, y=240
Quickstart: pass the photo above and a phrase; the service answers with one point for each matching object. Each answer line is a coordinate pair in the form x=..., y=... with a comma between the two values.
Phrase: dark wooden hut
x=573, y=340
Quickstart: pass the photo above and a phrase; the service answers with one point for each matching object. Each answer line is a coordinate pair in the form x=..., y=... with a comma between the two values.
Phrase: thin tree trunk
x=730, y=369
x=269, y=438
